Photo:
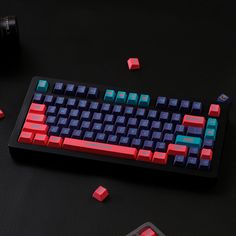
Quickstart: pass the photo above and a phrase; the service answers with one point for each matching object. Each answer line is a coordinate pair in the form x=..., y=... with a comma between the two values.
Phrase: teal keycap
x=42, y=86
x=109, y=95
x=212, y=123
x=121, y=97
x=132, y=99
x=189, y=141
x=210, y=134
x=144, y=100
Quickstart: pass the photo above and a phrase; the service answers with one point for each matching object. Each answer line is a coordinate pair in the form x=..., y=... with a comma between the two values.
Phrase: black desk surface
x=185, y=47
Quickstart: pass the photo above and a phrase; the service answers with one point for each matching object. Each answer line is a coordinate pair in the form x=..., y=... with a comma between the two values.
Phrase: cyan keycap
x=109, y=95
x=212, y=123
x=210, y=134
x=144, y=100
x=121, y=97
x=189, y=141
x=132, y=99
x=42, y=86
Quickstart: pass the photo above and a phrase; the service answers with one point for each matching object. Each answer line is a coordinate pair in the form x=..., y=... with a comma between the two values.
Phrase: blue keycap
x=208, y=143
x=97, y=116
x=192, y=162
x=60, y=101
x=74, y=113
x=101, y=137
x=179, y=160
x=195, y=131
x=62, y=122
x=49, y=100
x=85, y=125
x=51, y=120
x=132, y=132
x=121, y=130
x=70, y=89
x=144, y=134
x=167, y=128
x=157, y=136
x=210, y=134
x=81, y=91
x=120, y=120
x=109, y=119
x=144, y=124
x=124, y=141
x=38, y=98
x=152, y=115
x=97, y=127
x=148, y=145
x=204, y=164
x=109, y=129
x=112, y=139
x=196, y=108
x=54, y=131
x=71, y=103
x=83, y=104
x=59, y=88
x=106, y=108
x=189, y=141
x=89, y=136
x=176, y=118
x=161, y=102
x=117, y=110
x=160, y=147
x=63, y=112
x=193, y=152
x=136, y=143
x=173, y=104
x=74, y=124
x=180, y=129
x=141, y=113
x=129, y=111
x=86, y=115
x=78, y=134
x=132, y=122
x=156, y=126
x=164, y=116
x=94, y=106
x=92, y=92
x=184, y=106
x=65, y=132
x=168, y=138
x=52, y=110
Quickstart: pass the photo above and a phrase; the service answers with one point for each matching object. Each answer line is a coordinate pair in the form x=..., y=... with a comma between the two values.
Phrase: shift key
x=189, y=141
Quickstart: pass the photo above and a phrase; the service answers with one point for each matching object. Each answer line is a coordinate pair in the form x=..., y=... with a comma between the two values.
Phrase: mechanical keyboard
x=102, y=123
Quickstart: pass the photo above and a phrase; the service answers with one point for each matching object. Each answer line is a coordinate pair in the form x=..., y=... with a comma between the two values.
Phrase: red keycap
x=36, y=118
x=99, y=148
x=133, y=63
x=214, y=110
x=26, y=137
x=145, y=155
x=100, y=193
x=176, y=149
x=160, y=158
x=2, y=115
x=37, y=108
x=40, y=139
x=148, y=232
x=197, y=121
x=55, y=142
x=206, y=154
x=35, y=128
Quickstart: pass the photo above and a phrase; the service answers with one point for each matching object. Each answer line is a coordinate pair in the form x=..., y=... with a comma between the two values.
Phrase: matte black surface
x=184, y=46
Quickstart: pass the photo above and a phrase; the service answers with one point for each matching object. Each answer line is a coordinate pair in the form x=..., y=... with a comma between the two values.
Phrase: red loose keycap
x=40, y=139
x=2, y=115
x=99, y=148
x=133, y=63
x=197, y=121
x=148, y=232
x=176, y=149
x=206, y=154
x=35, y=128
x=55, y=142
x=100, y=193
x=145, y=155
x=160, y=158
x=26, y=137
x=37, y=108
x=214, y=110
x=36, y=118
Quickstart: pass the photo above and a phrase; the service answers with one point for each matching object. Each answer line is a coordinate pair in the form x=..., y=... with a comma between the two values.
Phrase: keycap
x=144, y=155
x=109, y=119
x=42, y=86
x=54, y=131
x=94, y=106
x=189, y=141
x=175, y=149
x=206, y=154
x=214, y=110
x=167, y=128
x=208, y=143
x=109, y=129
x=173, y=104
x=144, y=134
x=156, y=136
x=109, y=95
x=74, y=113
x=51, y=120
x=40, y=139
x=62, y=122
x=152, y=115
x=196, y=121
x=222, y=98
x=124, y=141
x=35, y=128
x=176, y=118
x=148, y=232
x=38, y=98
x=49, y=100
x=106, y=108
x=60, y=101
x=179, y=160
x=160, y=158
x=168, y=138
x=99, y=148
x=121, y=97
x=81, y=91
x=97, y=116
x=212, y=123
x=144, y=100
x=160, y=147
x=100, y=194
x=77, y=134
x=112, y=139
x=97, y=127
x=129, y=111
x=140, y=113
x=120, y=120
x=136, y=143
x=196, y=108
x=59, y=88
x=74, y=124
x=85, y=125
x=86, y=115
x=63, y=112
x=55, y=142
x=156, y=126
x=210, y=134
x=194, y=131
x=71, y=103
x=193, y=152
x=37, y=108
x=161, y=102
x=89, y=136
x=184, y=106
x=144, y=124
x=132, y=99
x=192, y=162
x=117, y=110
x=164, y=116
x=93, y=93
x=36, y=118
x=204, y=164
x=132, y=132
x=133, y=64
x=83, y=104
x=179, y=129
x=132, y=122
x=148, y=145
x=121, y=130
x=26, y=137
x=65, y=132
x=70, y=89
x=101, y=137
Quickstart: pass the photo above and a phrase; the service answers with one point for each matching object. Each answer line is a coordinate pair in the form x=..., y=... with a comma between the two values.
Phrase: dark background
x=185, y=47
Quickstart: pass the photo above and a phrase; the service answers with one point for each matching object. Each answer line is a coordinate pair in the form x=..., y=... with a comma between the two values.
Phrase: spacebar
x=99, y=148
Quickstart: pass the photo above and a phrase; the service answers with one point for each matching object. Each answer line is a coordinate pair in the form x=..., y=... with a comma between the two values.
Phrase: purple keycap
x=74, y=124
x=49, y=100
x=117, y=110
x=173, y=104
x=193, y=152
x=144, y=124
x=192, y=162
x=38, y=98
x=144, y=134
x=168, y=138
x=124, y=141
x=83, y=104
x=89, y=136
x=85, y=125
x=160, y=147
x=54, y=131
x=157, y=136
x=106, y=108
x=195, y=131
x=121, y=130
x=92, y=92
x=63, y=112
x=196, y=108
x=167, y=128
x=129, y=111
x=140, y=113
x=78, y=134
x=208, y=143
x=109, y=119
x=132, y=122
x=52, y=110
x=62, y=122
x=179, y=129
x=112, y=139
x=161, y=102
x=204, y=164
x=101, y=137
x=176, y=118
x=51, y=120
x=97, y=127
x=132, y=132
x=156, y=126
x=71, y=103
x=184, y=106
x=81, y=91
x=60, y=101
x=74, y=113
x=86, y=115
x=152, y=115
x=59, y=88
x=97, y=116
x=179, y=160
x=70, y=89
x=164, y=116
x=66, y=132
x=94, y=106
x=109, y=129
x=136, y=143
x=120, y=120
x=148, y=145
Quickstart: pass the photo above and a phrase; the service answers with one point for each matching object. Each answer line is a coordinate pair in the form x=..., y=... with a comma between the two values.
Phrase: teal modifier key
x=42, y=86
x=210, y=134
x=132, y=99
x=121, y=97
x=212, y=123
x=109, y=95
x=189, y=141
x=144, y=100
